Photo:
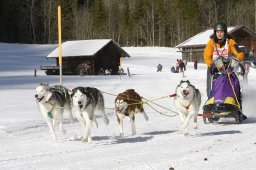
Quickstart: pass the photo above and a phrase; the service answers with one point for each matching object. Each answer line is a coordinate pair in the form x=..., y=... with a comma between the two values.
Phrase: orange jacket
x=209, y=49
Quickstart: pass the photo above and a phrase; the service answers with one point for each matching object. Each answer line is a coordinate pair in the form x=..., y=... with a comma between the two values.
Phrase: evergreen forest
x=128, y=22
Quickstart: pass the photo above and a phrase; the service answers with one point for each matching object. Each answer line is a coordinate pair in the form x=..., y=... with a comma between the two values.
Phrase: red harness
x=186, y=107
x=173, y=95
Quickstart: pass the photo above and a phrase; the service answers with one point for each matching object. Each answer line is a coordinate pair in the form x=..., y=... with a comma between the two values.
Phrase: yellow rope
x=169, y=115
x=233, y=90
x=147, y=102
x=160, y=106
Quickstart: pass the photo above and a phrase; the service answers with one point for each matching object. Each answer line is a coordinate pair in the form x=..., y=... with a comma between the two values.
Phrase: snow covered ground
x=25, y=142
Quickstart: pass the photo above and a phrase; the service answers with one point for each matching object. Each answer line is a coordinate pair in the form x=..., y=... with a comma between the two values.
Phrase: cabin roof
x=83, y=48
x=202, y=38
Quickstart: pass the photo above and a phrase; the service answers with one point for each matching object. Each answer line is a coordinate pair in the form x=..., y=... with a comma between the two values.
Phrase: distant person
x=246, y=72
x=185, y=64
x=177, y=65
x=159, y=67
x=195, y=64
x=173, y=70
x=101, y=72
x=107, y=72
x=181, y=66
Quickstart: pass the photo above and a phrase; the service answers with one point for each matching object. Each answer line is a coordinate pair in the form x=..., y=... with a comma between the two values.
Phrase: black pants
x=208, y=81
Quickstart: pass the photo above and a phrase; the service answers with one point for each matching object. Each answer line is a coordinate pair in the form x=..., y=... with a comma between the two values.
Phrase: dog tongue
x=186, y=93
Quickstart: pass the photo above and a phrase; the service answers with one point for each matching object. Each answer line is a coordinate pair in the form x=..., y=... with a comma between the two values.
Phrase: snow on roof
x=200, y=39
x=80, y=48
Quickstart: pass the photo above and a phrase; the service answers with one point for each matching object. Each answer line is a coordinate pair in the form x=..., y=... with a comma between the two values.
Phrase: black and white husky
x=52, y=101
x=86, y=100
x=187, y=102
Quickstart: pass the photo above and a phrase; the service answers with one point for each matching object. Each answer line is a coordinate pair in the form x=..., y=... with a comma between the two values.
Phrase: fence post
x=35, y=73
x=128, y=71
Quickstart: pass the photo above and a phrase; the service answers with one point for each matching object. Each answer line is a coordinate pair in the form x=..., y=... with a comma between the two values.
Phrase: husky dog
x=51, y=102
x=128, y=103
x=86, y=100
x=187, y=102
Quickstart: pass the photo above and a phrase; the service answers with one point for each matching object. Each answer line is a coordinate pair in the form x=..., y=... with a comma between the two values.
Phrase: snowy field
x=25, y=142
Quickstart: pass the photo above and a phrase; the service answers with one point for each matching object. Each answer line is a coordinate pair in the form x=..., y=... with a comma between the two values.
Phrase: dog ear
x=184, y=81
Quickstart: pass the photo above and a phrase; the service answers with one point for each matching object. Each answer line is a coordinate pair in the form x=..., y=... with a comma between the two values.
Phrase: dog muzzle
x=185, y=93
x=38, y=99
x=80, y=106
x=119, y=110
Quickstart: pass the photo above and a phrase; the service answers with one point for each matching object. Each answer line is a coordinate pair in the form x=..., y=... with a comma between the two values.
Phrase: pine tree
x=99, y=17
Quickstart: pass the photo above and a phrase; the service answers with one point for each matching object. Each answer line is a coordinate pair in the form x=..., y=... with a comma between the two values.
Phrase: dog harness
x=186, y=107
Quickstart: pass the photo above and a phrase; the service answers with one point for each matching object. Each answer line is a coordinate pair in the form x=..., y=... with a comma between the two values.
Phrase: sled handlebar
x=222, y=63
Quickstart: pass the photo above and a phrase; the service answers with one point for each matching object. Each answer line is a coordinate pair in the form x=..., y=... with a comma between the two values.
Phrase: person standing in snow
x=159, y=67
x=246, y=72
x=195, y=64
x=221, y=44
x=185, y=64
x=177, y=65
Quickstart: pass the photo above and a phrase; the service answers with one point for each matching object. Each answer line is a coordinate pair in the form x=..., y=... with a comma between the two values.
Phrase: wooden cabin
x=193, y=48
x=87, y=57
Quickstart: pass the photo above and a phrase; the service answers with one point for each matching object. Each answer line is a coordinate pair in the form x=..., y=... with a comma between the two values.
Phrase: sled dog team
x=86, y=101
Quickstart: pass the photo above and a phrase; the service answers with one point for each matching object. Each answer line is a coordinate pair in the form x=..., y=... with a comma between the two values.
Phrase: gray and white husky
x=86, y=100
x=52, y=101
x=187, y=102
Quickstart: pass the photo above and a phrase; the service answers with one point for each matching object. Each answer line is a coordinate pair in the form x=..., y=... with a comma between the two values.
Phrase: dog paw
x=86, y=140
x=95, y=124
x=63, y=132
x=185, y=134
x=106, y=121
x=71, y=120
x=145, y=117
x=121, y=134
x=195, y=125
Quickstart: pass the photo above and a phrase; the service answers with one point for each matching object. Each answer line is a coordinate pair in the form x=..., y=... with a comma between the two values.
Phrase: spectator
x=246, y=72
x=195, y=64
x=177, y=65
x=159, y=67
x=185, y=64
x=173, y=70
x=182, y=65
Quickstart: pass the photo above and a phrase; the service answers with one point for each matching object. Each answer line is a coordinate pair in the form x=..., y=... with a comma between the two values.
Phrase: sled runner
x=225, y=97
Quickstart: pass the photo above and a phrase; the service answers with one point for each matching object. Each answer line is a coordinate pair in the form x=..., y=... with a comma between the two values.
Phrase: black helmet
x=220, y=26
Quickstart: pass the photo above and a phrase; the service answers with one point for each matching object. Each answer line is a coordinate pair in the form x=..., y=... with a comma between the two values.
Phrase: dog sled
x=224, y=95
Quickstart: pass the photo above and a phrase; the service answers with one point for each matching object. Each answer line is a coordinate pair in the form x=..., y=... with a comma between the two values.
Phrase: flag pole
x=60, y=47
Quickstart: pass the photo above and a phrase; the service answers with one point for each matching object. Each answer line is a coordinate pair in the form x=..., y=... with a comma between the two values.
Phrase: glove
x=234, y=62
x=219, y=64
